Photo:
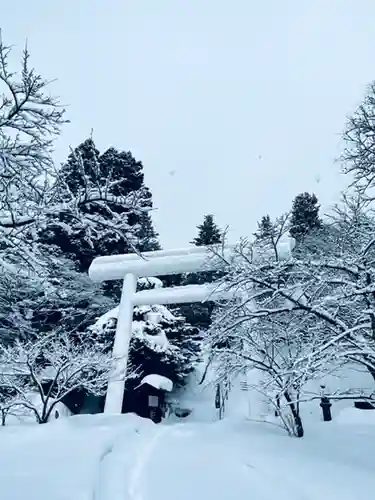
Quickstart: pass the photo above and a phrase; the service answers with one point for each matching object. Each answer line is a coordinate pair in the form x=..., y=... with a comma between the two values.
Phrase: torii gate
x=130, y=267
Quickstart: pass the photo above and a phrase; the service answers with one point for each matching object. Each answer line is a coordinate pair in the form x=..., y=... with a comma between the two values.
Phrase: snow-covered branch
x=299, y=318
x=29, y=121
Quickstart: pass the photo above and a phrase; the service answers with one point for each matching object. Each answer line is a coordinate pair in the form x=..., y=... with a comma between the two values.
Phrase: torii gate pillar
x=120, y=353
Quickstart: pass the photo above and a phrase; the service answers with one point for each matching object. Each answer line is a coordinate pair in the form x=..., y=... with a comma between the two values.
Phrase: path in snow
x=202, y=461
x=138, y=476
x=197, y=461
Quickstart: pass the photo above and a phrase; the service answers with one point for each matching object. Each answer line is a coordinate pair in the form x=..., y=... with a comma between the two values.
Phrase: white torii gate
x=130, y=267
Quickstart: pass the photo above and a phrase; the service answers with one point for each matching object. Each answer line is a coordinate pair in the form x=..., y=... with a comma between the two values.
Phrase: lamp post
x=325, y=405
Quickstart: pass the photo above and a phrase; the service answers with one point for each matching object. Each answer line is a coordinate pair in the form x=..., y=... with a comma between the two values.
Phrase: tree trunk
x=44, y=418
x=299, y=432
x=205, y=371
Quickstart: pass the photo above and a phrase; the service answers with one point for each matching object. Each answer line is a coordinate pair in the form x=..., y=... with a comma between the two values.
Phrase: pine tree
x=270, y=232
x=95, y=204
x=209, y=233
x=304, y=216
x=265, y=228
x=85, y=164
x=124, y=169
x=146, y=235
x=200, y=314
x=102, y=228
x=81, y=167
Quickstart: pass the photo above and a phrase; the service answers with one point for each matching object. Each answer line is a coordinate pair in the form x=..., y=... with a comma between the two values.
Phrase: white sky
x=234, y=107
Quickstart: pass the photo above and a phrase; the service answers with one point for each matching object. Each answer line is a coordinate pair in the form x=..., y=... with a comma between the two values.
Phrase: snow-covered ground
x=128, y=458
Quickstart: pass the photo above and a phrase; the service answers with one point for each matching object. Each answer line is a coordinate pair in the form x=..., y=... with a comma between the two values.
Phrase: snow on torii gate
x=130, y=267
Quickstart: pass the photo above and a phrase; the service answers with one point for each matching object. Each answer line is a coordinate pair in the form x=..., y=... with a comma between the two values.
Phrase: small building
x=149, y=397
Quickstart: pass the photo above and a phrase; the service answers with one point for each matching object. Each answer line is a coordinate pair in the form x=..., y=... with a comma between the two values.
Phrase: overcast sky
x=234, y=107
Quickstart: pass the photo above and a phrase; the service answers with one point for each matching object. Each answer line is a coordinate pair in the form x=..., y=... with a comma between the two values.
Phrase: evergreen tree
x=95, y=204
x=125, y=171
x=305, y=216
x=209, y=233
x=146, y=235
x=81, y=167
x=105, y=227
x=265, y=228
x=270, y=232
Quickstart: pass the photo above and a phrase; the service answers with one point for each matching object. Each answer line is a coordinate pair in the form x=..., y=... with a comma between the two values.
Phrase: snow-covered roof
x=158, y=381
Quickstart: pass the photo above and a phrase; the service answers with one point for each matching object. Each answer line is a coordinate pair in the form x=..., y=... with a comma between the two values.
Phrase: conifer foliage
x=304, y=216
x=265, y=228
x=208, y=232
x=115, y=213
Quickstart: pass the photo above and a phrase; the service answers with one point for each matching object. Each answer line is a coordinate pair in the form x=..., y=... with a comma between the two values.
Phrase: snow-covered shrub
x=162, y=343
x=52, y=367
